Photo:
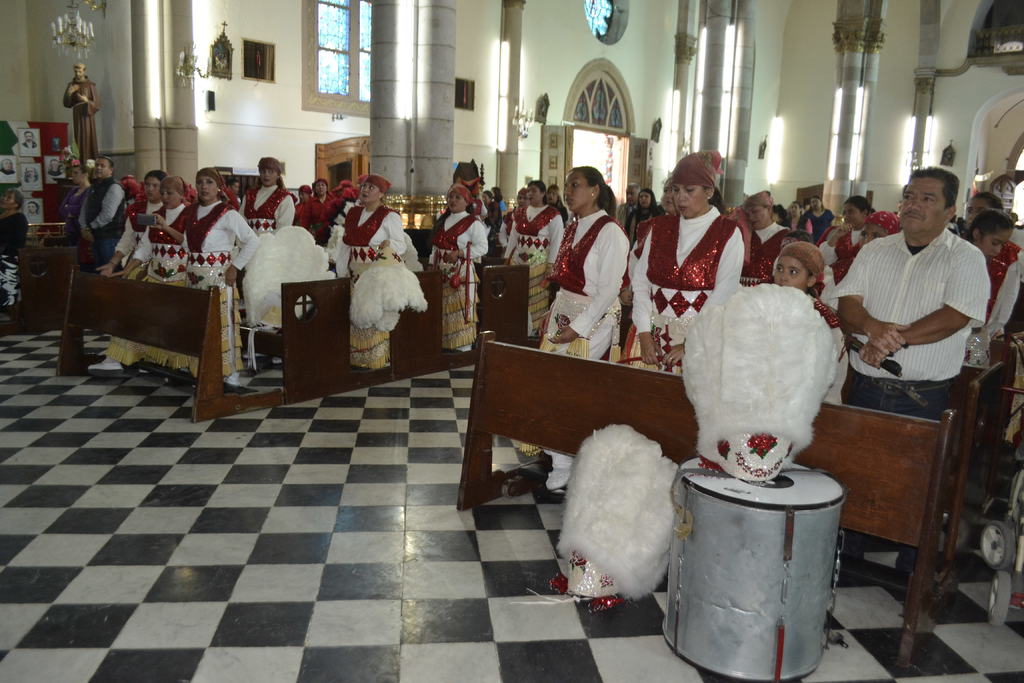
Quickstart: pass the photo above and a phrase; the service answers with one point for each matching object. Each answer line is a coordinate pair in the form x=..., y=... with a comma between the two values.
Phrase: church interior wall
x=253, y=118
x=805, y=96
x=49, y=72
x=1000, y=136
x=477, y=40
x=14, y=70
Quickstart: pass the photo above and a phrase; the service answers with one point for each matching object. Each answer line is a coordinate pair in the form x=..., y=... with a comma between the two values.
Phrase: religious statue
x=82, y=98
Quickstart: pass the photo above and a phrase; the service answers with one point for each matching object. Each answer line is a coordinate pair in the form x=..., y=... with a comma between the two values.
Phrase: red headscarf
x=699, y=168
x=380, y=181
x=461, y=190
x=305, y=188
x=270, y=163
x=886, y=219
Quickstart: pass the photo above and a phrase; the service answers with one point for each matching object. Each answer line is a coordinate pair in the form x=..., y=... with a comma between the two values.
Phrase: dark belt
x=907, y=387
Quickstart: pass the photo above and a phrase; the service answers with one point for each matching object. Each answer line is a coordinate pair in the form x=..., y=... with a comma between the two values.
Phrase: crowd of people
x=908, y=286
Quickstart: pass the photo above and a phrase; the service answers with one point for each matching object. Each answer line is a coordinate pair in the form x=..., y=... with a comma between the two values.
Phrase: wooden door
x=343, y=159
x=555, y=154
x=638, y=169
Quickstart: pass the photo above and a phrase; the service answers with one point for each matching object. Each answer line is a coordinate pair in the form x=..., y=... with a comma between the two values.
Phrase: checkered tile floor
x=320, y=542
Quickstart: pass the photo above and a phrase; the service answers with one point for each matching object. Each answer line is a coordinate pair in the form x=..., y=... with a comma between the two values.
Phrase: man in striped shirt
x=914, y=296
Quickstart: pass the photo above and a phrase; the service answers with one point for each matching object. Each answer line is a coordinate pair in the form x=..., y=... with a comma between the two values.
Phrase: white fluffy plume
x=385, y=289
x=760, y=363
x=618, y=509
x=289, y=254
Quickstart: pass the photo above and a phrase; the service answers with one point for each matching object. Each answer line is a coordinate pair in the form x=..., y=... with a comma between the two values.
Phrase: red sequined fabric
x=533, y=228
x=568, y=268
x=448, y=237
x=762, y=256
x=132, y=214
x=359, y=235
x=827, y=313
x=698, y=269
x=158, y=236
x=195, y=229
x=268, y=209
x=605, y=603
x=559, y=583
x=997, y=267
x=762, y=444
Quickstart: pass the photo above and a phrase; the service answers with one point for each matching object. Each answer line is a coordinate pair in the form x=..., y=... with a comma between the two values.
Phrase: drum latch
x=685, y=526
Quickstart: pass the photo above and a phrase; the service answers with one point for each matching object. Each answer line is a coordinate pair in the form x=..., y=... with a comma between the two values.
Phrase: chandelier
x=71, y=33
x=187, y=69
x=522, y=119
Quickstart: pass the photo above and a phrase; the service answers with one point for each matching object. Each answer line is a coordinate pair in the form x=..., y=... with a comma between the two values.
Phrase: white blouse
x=552, y=232
x=285, y=212
x=230, y=228
x=475, y=237
x=602, y=269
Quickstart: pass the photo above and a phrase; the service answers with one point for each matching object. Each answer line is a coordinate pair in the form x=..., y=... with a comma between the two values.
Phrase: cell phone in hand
x=145, y=219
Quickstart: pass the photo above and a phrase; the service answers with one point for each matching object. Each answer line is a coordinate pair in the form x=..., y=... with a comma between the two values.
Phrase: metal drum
x=751, y=570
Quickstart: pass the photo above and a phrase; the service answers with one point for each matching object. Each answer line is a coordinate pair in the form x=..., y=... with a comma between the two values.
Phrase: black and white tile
x=320, y=542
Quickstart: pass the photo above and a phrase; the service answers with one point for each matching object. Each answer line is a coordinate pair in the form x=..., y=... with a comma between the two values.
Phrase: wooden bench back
x=888, y=462
x=45, y=276
x=504, y=302
x=172, y=318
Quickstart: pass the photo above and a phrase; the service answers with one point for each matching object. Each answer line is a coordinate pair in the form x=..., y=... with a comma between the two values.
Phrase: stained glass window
x=600, y=104
x=599, y=15
x=343, y=32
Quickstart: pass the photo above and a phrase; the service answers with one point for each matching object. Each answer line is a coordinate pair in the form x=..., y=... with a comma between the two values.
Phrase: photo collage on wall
x=31, y=162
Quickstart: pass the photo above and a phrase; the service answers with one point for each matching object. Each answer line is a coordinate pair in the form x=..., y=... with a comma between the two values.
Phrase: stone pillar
x=146, y=123
x=435, y=92
x=743, y=94
x=718, y=17
x=924, y=91
x=857, y=29
x=181, y=138
x=389, y=130
x=873, y=41
x=511, y=33
x=686, y=48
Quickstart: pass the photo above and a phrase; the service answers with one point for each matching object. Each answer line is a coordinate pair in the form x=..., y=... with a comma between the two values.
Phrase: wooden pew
x=44, y=275
x=178, y=319
x=902, y=455
x=314, y=338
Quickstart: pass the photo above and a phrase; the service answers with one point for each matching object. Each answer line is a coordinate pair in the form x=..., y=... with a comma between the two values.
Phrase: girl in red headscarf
x=317, y=213
x=369, y=228
x=460, y=239
x=686, y=262
x=270, y=206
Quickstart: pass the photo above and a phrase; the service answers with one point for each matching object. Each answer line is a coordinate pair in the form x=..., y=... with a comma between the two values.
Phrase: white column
x=743, y=92
x=685, y=50
x=512, y=34
x=718, y=17
x=389, y=130
x=435, y=92
x=181, y=138
x=144, y=119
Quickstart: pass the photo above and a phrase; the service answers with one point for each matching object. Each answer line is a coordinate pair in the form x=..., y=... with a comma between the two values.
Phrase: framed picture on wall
x=221, y=53
x=28, y=142
x=31, y=177
x=8, y=169
x=33, y=210
x=54, y=169
x=257, y=60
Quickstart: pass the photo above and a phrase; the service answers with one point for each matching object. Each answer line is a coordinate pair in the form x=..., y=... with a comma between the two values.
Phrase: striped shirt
x=900, y=287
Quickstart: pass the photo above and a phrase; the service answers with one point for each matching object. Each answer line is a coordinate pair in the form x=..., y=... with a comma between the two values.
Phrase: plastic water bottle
x=977, y=354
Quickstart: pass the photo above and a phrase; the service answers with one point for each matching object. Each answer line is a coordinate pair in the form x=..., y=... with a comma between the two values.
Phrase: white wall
x=477, y=37
x=1001, y=135
x=14, y=73
x=253, y=118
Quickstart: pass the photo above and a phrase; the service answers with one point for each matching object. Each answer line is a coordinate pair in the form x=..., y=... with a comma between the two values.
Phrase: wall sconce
x=186, y=70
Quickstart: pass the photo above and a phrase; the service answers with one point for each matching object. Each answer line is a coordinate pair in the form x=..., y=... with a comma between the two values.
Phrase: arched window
x=599, y=99
x=336, y=55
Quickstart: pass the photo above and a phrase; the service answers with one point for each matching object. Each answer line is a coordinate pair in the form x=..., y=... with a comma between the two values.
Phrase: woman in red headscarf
x=687, y=262
x=877, y=224
x=270, y=206
x=212, y=231
x=317, y=213
x=534, y=241
x=766, y=238
x=369, y=228
x=460, y=239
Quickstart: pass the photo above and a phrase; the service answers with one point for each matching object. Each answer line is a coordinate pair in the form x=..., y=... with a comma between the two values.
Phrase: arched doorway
x=601, y=112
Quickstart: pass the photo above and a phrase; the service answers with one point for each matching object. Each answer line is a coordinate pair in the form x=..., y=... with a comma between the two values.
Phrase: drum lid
x=794, y=487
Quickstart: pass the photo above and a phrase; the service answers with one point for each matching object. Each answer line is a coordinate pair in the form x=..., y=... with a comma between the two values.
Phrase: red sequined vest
x=357, y=235
x=158, y=236
x=827, y=314
x=762, y=258
x=568, y=269
x=532, y=228
x=997, y=267
x=132, y=213
x=699, y=268
x=196, y=229
x=448, y=238
x=263, y=218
